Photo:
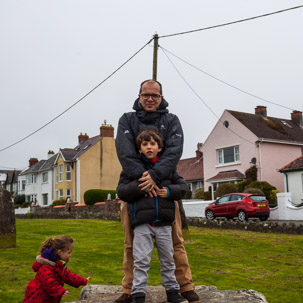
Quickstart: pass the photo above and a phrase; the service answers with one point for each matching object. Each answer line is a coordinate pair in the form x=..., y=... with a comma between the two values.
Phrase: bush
x=251, y=173
x=273, y=198
x=188, y=194
x=58, y=202
x=199, y=194
x=252, y=190
x=264, y=186
x=207, y=194
x=19, y=199
x=93, y=196
x=226, y=188
x=26, y=204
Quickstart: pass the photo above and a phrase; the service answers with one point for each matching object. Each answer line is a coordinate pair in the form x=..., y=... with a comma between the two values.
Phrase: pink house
x=240, y=140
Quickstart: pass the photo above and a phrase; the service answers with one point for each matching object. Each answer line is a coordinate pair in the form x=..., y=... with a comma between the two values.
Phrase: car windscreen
x=257, y=198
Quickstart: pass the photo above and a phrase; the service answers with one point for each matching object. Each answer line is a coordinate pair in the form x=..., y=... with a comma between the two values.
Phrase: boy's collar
x=154, y=160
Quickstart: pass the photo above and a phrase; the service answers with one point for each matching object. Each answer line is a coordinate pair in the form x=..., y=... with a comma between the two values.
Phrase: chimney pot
x=82, y=137
x=32, y=161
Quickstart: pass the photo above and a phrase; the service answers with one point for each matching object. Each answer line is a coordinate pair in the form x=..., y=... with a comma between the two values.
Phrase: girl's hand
x=88, y=278
x=66, y=293
x=162, y=192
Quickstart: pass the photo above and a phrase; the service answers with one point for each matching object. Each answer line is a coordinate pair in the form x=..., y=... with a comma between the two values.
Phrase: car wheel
x=264, y=218
x=209, y=215
x=242, y=216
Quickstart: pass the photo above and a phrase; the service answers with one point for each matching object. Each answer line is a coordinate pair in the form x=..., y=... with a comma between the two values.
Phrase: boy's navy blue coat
x=143, y=209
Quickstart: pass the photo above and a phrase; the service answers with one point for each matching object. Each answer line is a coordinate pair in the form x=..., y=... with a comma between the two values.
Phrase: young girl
x=52, y=272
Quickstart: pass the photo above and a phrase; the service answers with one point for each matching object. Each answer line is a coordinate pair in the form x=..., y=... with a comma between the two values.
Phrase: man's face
x=150, y=97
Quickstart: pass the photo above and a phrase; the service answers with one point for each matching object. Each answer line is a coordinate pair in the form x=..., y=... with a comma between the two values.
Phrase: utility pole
x=155, y=58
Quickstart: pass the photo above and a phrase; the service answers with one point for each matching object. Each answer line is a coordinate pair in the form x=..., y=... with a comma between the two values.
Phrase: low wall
x=286, y=209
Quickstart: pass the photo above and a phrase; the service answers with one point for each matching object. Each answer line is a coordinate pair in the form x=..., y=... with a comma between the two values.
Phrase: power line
x=226, y=83
x=233, y=22
x=74, y=104
x=198, y=96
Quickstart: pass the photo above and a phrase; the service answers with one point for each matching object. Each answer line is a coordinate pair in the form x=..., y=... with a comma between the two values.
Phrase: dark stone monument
x=7, y=220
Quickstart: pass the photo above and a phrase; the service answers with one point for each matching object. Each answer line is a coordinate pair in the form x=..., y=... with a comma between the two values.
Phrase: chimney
x=261, y=111
x=32, y=161
x=106, y=130
x=50, y=154
x=82, y=138
x=296, y=117
x=198, y=154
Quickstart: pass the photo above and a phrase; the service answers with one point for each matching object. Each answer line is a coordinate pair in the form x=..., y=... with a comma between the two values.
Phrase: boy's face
x=150, y=149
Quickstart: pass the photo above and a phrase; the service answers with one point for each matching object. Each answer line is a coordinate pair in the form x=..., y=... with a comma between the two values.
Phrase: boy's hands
x=148, y=184
x=162, y=192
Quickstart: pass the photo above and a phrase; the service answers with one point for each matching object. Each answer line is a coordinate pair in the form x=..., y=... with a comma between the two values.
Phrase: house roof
x=191, y=169
x=83, y=146
x=11, y=176
x=68, y=154
x=296, y=164
x=229, y=175
x=42, y=165
x=270, y=127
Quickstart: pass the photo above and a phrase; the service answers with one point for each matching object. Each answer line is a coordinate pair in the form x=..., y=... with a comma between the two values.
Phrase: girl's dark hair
x=56, y=243
x=146, y=135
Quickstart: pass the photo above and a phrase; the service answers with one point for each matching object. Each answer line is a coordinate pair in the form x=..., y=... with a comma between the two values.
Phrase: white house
x=293, y=179
x=39, y=186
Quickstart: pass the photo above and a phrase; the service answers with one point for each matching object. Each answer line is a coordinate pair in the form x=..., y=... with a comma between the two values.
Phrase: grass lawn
x=269, y=263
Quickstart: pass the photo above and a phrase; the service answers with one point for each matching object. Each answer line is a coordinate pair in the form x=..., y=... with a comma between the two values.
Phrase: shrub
x=92, y=196
x=19, y=199
x=26, y=204
x=207, y=194
x=264, y=186
x=58, y=202
x=273, y=198
x=253, y=190
x=188, y=194
x=199, y=194
x=226, y=188
x=251, y=173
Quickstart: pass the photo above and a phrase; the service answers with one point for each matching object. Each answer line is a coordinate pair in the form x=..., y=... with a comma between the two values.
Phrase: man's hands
x=148, y=184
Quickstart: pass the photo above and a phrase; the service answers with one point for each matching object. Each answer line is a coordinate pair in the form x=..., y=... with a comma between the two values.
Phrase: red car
x=240, y=205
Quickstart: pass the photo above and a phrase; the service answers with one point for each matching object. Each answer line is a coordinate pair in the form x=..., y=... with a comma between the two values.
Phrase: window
x=228, y=155
x=45, y=177
x=23, y=184
x=60, y=194
x=60, y=173
x=68, y=193
x=224, y=199
x=68, y=172
x=45, y=199
x=28, y=179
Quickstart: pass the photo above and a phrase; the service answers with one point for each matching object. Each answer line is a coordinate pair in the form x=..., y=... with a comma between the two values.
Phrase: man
x=151, y=112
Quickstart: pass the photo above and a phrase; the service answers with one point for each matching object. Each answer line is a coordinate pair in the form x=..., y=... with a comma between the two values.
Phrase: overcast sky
x=54, y=52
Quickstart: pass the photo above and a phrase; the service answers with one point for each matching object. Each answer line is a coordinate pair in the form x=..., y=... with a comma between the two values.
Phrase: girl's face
x=66, y=253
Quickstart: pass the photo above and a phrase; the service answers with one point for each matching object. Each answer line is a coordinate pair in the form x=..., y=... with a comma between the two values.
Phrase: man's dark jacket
x=143, y=209
x=130, y=124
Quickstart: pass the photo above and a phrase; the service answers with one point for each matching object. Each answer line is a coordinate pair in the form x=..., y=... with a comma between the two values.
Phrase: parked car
x=240, y=205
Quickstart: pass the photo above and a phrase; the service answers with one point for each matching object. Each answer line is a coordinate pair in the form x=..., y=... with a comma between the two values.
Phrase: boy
x=151, y=217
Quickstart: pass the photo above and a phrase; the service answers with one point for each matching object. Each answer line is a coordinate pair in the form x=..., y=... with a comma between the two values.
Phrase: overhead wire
x=198, y=96
x=82, y=98
x=232, y=22
x=226, y=83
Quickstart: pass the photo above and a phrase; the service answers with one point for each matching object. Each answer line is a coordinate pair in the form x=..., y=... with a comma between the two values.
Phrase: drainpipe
x=260, y=160
x=286, y=181
x=212, y=192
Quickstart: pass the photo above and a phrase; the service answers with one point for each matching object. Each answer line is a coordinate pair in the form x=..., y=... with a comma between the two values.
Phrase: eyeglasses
x=155, y=97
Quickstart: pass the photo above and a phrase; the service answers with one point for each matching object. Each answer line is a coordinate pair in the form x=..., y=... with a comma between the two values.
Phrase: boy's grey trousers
x=142, y=250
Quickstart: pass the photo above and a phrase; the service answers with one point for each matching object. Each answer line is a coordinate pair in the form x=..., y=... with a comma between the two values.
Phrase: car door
x=220, y=206
x=233, y=204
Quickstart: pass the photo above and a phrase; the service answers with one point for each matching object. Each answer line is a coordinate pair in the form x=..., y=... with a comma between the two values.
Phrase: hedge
x=93, y=196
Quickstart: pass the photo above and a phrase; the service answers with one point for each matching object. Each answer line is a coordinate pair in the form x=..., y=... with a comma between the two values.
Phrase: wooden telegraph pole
x=155, y=60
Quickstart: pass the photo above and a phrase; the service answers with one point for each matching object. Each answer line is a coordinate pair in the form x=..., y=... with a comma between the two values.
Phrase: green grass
x=269, y=263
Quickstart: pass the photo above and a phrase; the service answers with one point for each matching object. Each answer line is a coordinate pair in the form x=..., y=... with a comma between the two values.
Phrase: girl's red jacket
x=48, y=284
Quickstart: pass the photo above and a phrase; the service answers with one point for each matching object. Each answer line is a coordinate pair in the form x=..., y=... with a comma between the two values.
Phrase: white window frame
x=60, y=172
x=60, y=194
x=68, y=172
x=236, y=155
x=45, y=177
x=68, y=193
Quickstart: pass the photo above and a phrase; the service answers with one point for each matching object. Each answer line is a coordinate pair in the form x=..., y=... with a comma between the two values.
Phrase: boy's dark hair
x=146, y=135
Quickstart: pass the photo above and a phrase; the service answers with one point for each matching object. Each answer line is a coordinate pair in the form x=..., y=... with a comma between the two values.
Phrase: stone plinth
x=7, y=220
x=156, y=294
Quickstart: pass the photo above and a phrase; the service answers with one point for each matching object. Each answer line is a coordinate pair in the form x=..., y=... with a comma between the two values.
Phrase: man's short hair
x=150, y=81
x=147, y=134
